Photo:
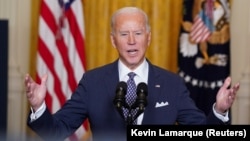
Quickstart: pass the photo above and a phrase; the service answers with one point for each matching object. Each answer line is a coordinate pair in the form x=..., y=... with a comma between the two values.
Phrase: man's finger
x=44, y=79
x=227, y=82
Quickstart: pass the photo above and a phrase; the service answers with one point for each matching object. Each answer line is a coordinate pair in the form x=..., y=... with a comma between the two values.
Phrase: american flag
x=199, y=30
x=205, y=63
x=61, y=52
x=202, y=25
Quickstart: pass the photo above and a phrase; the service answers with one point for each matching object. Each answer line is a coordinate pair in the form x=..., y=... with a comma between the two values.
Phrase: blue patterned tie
x=131, y=94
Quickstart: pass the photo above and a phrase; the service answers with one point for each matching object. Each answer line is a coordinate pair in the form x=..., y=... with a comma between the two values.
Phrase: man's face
x=130, y=38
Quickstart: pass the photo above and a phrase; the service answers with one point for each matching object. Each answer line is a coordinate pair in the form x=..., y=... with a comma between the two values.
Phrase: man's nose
x=131, y=39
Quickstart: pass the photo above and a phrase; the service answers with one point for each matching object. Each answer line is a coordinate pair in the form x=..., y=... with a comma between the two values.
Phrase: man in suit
x=168, y=100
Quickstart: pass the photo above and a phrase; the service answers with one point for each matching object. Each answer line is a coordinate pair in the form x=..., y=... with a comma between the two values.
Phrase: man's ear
x=112, y=40
x=149, y=38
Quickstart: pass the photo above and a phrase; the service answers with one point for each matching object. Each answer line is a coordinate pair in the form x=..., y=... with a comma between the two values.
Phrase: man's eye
x=138, y=33
x=124, y=34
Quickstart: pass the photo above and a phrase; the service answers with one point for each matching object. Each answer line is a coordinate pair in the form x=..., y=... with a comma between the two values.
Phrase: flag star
x=187, y=78
x=195, y=82
x=201, y=83
x=65, y=1
x=219, y=83
x=213, y=85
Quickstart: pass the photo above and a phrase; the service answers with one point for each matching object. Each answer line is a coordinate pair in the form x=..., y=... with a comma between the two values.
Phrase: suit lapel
x=154, y=90
x=111, y=79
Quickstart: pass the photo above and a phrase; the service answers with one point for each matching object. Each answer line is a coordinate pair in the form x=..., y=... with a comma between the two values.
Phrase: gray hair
x=129, y=10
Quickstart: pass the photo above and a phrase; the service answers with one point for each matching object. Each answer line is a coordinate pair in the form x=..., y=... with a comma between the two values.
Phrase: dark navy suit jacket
x=168, y=99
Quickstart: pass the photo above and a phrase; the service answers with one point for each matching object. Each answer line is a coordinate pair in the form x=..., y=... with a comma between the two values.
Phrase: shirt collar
x=141, y=72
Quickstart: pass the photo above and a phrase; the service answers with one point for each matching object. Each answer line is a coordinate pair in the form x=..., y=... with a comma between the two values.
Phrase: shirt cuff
x=223, y=117
x=38, y=113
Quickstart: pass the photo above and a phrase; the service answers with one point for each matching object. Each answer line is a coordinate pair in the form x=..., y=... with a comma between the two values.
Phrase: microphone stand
x=139, y=105
x=119, y=109
x=130, y=118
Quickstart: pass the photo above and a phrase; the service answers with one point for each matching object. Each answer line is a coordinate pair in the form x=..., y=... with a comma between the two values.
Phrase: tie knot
x=131, y=75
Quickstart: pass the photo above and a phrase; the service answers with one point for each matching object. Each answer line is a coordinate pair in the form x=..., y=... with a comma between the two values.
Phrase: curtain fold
x=164, y=17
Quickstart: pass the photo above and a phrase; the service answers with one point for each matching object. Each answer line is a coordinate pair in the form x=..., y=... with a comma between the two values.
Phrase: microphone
x=119, y=99
x=141, y=100
x=142, y=93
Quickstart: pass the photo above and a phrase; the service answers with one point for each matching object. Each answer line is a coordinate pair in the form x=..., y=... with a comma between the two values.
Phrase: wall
x=240, y=35
x=17, y=12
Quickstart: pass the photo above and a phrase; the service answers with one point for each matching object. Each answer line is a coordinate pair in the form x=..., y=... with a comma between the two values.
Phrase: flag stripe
x=61, y=52
x=199, y=31
x=49, y=60
x=47, y=16
x=74, y=27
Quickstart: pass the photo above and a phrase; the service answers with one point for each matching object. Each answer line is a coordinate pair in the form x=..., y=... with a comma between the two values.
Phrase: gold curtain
x=164, y=16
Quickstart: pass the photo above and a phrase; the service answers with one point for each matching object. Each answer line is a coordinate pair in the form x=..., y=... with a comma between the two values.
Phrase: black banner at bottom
x=188, y=132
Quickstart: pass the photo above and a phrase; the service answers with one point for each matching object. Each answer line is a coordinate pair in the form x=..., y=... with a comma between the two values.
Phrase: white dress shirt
x=141, y=76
